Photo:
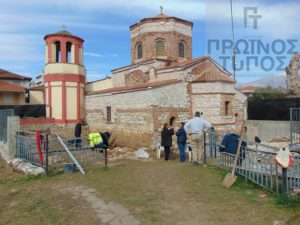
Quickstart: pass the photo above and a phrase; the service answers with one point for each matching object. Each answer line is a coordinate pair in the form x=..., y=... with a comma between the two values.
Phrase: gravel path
x=109, y=214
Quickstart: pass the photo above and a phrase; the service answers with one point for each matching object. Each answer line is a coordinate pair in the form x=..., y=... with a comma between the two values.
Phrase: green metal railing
x=258, y=166
x=54, y=156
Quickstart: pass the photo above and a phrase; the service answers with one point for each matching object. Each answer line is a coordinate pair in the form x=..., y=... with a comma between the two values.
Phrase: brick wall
x=171, y=41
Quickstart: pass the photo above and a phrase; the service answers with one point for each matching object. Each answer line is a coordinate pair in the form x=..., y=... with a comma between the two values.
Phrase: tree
x=268, y=93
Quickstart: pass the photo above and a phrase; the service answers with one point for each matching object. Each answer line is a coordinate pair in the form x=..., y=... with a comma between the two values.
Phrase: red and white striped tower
x=64, y=77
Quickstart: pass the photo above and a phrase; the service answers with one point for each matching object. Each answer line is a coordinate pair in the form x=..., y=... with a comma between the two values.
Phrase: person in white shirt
x=195, y=128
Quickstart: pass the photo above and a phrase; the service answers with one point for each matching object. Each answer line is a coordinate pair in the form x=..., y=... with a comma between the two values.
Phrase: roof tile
x=8, y=87
x=136, y=86
x=213, y=76
x=9, y=75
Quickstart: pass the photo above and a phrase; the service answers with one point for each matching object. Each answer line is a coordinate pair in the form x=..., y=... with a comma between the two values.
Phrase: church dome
x=161, y=37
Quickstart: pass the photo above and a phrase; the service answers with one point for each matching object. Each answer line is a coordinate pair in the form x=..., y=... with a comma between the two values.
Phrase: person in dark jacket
x=181, y=141
x=78, y=133
x=166, y=139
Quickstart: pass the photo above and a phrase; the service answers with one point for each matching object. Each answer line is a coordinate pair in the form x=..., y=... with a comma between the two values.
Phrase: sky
x=104, y=25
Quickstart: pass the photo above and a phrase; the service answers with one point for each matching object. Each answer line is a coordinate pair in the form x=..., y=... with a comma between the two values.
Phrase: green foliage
x=268, y=93
x=290, y=202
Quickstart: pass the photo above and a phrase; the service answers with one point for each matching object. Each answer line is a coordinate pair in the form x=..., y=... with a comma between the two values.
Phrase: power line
x=233, y=41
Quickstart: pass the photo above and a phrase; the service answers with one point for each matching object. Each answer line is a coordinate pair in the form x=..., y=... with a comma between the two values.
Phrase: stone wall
x=268, y=130
x=137, y=115
x=293, y=79
x=118, y=78
x=8, y=149
x=210, y=99
x=136, y=77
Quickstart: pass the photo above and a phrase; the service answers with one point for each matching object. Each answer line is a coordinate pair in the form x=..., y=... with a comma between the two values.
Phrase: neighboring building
x=37, y=95
x=98, y=85
x=39, y=81
x=14, y=78
x=162, y=83
x=12, y=88
x=248, y=90
x=292, y=76
x=11, y=94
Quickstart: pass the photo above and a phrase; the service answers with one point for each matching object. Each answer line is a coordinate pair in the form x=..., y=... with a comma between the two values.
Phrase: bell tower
x=64, y=77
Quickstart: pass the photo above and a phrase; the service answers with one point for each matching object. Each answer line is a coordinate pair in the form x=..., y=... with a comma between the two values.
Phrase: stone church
x=163, y=83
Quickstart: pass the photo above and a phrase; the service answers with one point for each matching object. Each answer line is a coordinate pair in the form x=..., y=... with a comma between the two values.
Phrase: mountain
x=275, y=81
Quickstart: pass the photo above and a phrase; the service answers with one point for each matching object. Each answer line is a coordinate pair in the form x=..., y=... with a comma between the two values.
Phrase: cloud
x=93, y=54
x=190, y=9
x=20, y=47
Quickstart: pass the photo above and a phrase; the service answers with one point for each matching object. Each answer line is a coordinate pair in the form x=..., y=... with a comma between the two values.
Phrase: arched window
x=68, y=51
x=57, y=51
x=181, y=49
x=140, y=51
x=160, y=48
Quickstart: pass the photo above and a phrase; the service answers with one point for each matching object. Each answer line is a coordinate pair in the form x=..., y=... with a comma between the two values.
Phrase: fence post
x=204, y=157
x=46, y=151
x=284, y=181
x=105, y=157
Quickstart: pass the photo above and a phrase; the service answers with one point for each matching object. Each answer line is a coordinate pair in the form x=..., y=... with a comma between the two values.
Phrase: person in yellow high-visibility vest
x=96, y=141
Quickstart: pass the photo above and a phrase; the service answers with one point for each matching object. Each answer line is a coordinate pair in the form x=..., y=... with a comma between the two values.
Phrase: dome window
x=160, y=48
x=181, y=49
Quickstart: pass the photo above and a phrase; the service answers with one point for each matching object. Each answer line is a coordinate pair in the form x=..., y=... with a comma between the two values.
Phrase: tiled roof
x=4, y=74
x=160, y=16
x=8, y=87
x=248, y=89
x=213, y=76
x=38, y=88
x=137, y=86
x=63, y=32
x=185, y=64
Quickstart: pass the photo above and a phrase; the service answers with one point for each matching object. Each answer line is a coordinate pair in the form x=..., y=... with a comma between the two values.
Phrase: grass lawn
x=154, y=192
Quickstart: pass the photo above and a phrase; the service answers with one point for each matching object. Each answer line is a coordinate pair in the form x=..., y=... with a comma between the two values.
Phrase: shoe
x=195, y=163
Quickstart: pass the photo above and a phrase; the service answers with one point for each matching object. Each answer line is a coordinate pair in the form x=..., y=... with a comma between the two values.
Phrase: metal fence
x=258, y=165
x=295, y=125
x=54, y=158
x=3, y=123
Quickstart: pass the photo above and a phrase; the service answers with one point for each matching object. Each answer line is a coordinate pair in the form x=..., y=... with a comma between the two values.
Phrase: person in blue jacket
x=181, y=141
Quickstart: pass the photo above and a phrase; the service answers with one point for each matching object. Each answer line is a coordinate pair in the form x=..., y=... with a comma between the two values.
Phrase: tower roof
x=160, y=17
x=63, y=32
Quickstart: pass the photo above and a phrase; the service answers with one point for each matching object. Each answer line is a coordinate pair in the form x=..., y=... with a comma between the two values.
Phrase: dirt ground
x=154, y=192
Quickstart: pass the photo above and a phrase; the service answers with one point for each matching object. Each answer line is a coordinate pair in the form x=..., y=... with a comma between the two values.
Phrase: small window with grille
x=140, y=51
x=181, y=49
x=108, y=114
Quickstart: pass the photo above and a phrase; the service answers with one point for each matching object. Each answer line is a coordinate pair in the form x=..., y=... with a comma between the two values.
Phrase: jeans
x=181, y=152
x=167, y=152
